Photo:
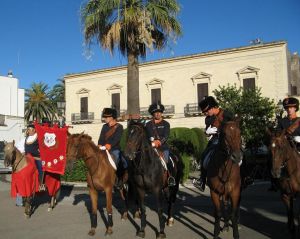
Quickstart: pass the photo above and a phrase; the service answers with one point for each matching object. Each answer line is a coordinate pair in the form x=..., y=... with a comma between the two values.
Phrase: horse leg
x=217, y=205
x=93, y=215
x=235, y=207
x=159, y=198
x=124, y=197
x=27, y=207
x=226, y=214
x=142, y=207
x=171, y=203
x=108, y=195
x=289, y=203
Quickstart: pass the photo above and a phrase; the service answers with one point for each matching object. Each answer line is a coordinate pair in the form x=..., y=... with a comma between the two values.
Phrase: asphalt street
x=262, y=215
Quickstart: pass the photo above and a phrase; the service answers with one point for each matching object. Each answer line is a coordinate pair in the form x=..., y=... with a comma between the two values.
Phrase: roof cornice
x=180, y=58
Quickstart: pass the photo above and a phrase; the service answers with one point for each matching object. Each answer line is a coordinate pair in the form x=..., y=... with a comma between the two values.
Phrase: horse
x=224, y=180
x=25, y=177
x=148, y=175
x=286, y=169
x=101, y=175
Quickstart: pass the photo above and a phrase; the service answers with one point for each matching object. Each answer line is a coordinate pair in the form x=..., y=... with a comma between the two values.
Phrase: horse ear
x=13, y=142
x=237, y=119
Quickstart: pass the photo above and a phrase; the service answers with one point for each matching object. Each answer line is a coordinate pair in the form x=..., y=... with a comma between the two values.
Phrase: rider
x=158, y=131
x=110, y=138
x=215, y=118
x=291, y=106
x=32, y=147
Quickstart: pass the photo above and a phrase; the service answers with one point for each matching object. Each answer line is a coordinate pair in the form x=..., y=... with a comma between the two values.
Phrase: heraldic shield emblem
x=53, y=147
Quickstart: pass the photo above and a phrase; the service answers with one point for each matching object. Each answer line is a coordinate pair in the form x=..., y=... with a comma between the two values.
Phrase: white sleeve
x=21, y=145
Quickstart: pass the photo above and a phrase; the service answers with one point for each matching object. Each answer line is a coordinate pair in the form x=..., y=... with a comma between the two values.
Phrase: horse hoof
x=27, y=216
x=161, y=235
x=170, y=222
x=124, y=216
x=92, y=232
x=49, y=209
x=109, y=231
x=225, y=229
x=141, y=234
x=137, y=215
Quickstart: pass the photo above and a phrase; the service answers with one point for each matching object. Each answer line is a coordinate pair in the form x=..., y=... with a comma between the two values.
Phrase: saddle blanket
x=26, y=181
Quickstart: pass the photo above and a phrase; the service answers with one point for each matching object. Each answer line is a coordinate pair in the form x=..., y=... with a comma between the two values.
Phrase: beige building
x=180, y=83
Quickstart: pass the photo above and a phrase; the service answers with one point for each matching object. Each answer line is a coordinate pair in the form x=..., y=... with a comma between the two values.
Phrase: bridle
x=131, y=144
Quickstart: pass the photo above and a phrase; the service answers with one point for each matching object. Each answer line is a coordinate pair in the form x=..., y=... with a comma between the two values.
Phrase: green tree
x=38, y=103
x=133, y=26
x=256, y=112
x=57, y=94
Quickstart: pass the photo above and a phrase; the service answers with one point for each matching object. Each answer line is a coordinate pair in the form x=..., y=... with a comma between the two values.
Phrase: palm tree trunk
x=133, y=98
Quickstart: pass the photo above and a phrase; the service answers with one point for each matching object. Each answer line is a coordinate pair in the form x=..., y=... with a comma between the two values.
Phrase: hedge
x=189, y=142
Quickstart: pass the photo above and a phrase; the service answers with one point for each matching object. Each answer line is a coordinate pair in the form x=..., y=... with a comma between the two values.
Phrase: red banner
x=53, y=147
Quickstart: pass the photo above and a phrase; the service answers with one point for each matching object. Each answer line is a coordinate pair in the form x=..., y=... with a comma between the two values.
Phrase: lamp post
x=61, y=105
x=279, y=110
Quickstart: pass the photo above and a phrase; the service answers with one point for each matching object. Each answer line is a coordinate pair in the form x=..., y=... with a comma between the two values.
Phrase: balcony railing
x=168, y=113
x=82, y=118
x=192, y=109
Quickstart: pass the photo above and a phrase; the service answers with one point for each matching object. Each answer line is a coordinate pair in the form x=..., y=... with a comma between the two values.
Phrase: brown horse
x=19, y=161
x=286, y=168
x=100, y=177
x=224, y=181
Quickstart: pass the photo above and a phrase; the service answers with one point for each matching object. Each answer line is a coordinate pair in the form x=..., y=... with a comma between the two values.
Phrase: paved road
x=262, y=216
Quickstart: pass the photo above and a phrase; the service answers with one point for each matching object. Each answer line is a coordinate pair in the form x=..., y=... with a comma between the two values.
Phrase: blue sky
x=41, y=40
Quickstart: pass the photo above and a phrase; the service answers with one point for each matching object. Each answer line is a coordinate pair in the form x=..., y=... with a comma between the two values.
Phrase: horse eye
x=273, y=145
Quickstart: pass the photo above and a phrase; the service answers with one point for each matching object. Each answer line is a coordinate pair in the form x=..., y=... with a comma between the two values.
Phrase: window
x=249, y=84
x=155, y=96
x=202, y=90
x=84, y=108
x=115, y=102
x=294, y=90
x=2, y=120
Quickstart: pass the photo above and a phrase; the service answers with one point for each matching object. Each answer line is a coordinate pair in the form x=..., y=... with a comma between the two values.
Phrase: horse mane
x=88, y=139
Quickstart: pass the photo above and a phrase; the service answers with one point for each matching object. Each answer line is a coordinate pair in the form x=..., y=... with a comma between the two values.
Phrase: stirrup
x=200, y=184
x=171, y=181
x=42, y=187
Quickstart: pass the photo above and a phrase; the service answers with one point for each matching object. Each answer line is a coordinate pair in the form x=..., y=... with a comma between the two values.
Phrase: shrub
x=76, y=173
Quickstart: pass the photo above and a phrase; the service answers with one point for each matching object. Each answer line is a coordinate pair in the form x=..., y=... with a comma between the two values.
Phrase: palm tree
x=37, y=103
x=133, y=26
x=57, y=94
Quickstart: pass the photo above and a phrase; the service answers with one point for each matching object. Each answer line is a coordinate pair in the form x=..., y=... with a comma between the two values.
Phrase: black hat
x=45, y=120
x=291, y=102
x=30, y=125
x=207, y=103
x=156, y=107
x=109, y=112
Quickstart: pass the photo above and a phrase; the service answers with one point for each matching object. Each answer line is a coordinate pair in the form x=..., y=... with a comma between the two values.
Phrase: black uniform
x=285, y=123
x=159, y=131
x=32, y=148
x=114, y=139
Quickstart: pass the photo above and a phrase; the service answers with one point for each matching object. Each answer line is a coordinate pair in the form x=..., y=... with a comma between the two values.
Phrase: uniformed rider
x=215, y=118
x=158, y=131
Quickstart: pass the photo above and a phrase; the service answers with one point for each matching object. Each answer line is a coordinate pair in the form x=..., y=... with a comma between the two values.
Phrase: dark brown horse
x=100, y=177
x=29, y=176
x=286, y=168
x=148, y=175
x=224, y=179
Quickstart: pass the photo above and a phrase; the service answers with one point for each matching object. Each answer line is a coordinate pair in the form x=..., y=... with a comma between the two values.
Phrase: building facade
x=180, y=83
x=11, y=109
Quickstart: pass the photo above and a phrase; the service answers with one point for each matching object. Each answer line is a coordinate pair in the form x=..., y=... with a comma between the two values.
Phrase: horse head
x=135, y=137
x=232, y=140
x=73, y=145
x=278, y=147
x=9, y=154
